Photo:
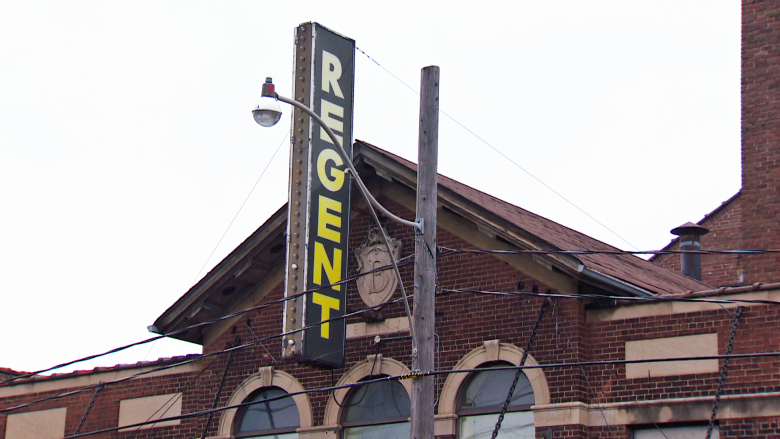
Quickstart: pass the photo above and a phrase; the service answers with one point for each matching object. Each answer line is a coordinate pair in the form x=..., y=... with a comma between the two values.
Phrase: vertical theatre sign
x=318, y=214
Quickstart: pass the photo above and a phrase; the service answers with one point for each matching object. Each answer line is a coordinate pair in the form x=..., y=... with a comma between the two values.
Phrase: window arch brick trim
x=492, y=350
x=266, y=377
x=384, y=366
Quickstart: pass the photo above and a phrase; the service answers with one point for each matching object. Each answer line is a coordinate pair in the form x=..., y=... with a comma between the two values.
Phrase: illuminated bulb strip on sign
x=318, y=218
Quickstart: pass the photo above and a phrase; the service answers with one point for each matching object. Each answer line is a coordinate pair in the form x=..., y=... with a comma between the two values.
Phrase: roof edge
x=707, y=216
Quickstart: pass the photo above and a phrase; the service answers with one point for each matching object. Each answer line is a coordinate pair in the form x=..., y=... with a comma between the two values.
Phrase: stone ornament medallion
x=376, y=288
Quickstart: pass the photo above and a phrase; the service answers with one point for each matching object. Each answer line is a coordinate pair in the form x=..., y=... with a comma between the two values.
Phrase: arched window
x=484, y=396
x=377, y=411
x=273, y=415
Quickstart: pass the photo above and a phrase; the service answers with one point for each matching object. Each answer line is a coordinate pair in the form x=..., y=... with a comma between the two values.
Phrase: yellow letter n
x=321, y=262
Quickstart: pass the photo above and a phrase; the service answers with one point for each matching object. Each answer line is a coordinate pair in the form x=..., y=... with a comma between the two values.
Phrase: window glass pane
x=270, y=415
x=377, y=401
x=516, y=425
x=686, y=432
x=383, y=431
x=488, y=389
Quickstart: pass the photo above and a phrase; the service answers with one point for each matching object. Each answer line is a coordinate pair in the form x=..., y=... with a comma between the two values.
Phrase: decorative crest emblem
x=377, y=287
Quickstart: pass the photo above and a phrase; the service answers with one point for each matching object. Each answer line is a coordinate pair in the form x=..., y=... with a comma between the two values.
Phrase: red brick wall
x=606, y=340
x=767, y=428
x=760, y=131
x=754, y=334
x=105, y=413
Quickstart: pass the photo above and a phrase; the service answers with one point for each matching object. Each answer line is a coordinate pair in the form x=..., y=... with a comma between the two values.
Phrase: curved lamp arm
x=269, y=92
x=348, y=161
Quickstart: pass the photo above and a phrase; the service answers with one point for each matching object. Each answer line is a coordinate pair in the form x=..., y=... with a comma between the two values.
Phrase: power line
x=198, y=325
x=610, y=252
x=499, y=152
x=232, y=349
x=447, y=252
x=413, y=375
x=239, y=209
x=609, y=297
x=199, y=357
x=444, y=291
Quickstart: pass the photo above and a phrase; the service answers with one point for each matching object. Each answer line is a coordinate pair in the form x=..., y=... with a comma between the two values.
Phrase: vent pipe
x=689, y=234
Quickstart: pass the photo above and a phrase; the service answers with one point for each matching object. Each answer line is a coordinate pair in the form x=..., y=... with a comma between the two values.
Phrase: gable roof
x=255, y=260
x=536, y=232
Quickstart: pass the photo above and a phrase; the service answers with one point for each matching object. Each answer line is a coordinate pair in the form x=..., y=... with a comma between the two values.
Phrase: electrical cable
x=196, y=325
x=89, y=408
x=445, y=291
x=407, y=376
x=169, y=404
x=403, y=377
x=194, y=358
x=370, y=375
x=501, y=153
x=519, y=371
x=445, y=251
x=240, y=208
x=611, y=252
x=423, y=374
x=216, y=395
x=723, y=373
x=251, y=331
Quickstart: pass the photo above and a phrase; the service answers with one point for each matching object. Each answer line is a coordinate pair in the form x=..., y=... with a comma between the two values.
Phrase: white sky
x=127, y=144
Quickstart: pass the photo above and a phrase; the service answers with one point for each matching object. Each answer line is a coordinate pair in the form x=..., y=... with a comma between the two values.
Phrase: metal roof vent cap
x=689, y=234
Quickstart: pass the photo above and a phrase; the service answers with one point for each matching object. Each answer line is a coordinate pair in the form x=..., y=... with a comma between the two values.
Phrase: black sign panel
x=327, y=231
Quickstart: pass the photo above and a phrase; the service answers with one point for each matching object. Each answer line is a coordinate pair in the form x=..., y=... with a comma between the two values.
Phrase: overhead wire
x=443, y=292
x=610, y=252
x=446, y=252
x=414, y=375
x=240, y=208
x=193, y=358
x=723, y=373
x=498, y=151
x=519, y=372
x=610, y=297
x=197, y=358
x=170, y=402
x=198, y=325
x=407, y=260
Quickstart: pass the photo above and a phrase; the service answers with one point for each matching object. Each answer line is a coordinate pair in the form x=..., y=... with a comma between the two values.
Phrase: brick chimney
x=761, y=137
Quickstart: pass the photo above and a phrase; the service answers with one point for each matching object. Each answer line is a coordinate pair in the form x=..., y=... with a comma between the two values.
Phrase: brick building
x=586, y=374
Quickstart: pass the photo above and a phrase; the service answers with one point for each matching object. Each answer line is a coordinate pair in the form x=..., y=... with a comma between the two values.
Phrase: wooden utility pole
x=425, y=254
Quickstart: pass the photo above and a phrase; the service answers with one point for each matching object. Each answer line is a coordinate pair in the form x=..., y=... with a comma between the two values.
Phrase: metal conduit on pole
x=89, y=407
x=425, y=255
x=216, y=396
x=519, y=371
x=723, y=372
